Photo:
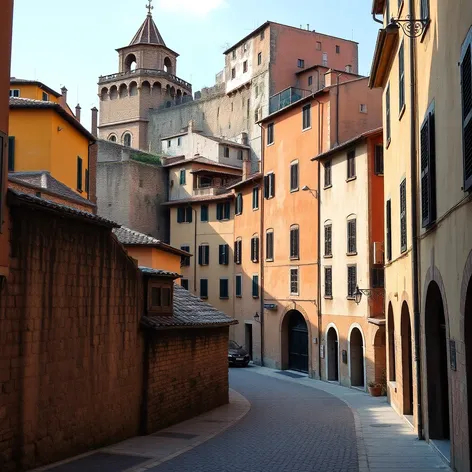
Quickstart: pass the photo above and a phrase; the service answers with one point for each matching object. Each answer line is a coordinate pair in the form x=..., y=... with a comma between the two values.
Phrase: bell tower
x=146, y=78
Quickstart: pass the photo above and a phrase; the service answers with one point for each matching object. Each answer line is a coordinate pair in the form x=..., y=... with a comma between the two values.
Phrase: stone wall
x=198, y=385
x=70, y=347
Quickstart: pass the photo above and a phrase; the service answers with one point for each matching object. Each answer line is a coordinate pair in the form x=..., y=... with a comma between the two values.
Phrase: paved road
x=290, y=428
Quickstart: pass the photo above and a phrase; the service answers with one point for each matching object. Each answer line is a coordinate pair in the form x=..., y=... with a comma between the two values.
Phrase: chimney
x=244, y=139
x=247, y=165
x=329, y=78
x=63, y=99
x=77, y=112
x=94, y=121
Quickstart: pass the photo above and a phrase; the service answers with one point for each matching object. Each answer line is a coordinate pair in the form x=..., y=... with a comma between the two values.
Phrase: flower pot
x=375, y=391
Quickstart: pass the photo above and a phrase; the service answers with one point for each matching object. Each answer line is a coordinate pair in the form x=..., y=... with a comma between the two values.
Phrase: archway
x=130, y=63
x=104, y=94
x=113, y=92
x=468, y=357
x=168, y=65
x=356, y=358
x=436, y=364
x=133, y=89
x=296, y=345
x=123, y=91
x=407, y=361
x=146, y=88
x=391, y=345
x=332, y=355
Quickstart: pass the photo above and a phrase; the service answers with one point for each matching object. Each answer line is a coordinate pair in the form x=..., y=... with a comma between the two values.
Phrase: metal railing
x=286, y=97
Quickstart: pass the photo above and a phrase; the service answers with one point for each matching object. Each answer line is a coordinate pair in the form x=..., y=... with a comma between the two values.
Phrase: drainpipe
x=261, y=255
x=337, y=109
x=376, y=19
x=414, y=229
x=195, y=252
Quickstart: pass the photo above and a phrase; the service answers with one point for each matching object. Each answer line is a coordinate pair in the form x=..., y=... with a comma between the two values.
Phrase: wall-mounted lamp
x=305, y=188
x=413, y=28
x=368, y=292
x=257, y=317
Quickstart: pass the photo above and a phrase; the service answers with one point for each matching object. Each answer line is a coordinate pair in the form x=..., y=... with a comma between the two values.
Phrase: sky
x=72, y=43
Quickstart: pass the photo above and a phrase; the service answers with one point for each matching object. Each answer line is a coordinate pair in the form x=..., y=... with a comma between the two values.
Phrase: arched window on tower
x=112, y=138
x=168, y=66
x=130, y=63
x=127, y=139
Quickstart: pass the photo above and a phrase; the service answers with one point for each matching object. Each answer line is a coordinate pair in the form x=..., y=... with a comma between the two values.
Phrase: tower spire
x=149, y=7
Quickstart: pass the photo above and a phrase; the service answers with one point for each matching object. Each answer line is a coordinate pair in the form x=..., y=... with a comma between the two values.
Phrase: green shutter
x=79, y=173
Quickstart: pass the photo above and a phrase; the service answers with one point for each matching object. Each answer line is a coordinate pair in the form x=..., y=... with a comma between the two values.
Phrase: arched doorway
x=356, y=358
x=297, y=341
x=379, y=354
x=407, y=361
x=332, y=355
x=468, y=358
x=392, y=375
x=436, y=364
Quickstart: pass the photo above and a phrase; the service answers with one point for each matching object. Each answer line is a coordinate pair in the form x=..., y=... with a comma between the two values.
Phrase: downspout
x=337, y=110
x=414, y=230
x=376, y=19
x=262, y=245
x=195, y=253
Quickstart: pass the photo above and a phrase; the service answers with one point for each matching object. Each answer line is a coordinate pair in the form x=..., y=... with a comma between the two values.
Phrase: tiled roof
x=148, y=33
x=43, y=180
x=223, y=141
x=201, y=160
x=229, y=172
x=189, y=312
x=16, y=198
x=129, y=237
x=38, y=104
x=15, y=81
x=159, y=272
x=249, y=179
x=202, y=198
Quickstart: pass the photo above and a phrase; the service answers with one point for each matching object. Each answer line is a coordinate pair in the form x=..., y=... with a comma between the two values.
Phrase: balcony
x=208, y=191
x=144, y=72
x=286, y=97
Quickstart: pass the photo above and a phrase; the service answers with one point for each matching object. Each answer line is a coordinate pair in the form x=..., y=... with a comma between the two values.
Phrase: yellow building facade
x=429, y=148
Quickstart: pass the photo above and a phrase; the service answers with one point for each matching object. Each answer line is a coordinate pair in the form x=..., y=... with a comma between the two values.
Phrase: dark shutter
x=327, y=178
x=188, y=214
x=207, y=254
x=351, y=164
x=266, y=186
x=466, y=92
x=180, y=216
x=87, y=180
x=226, y=254
x=403, y=229
x=351, y=237
x=294, y=177
x=227, y=210
x=255, y=286
x=79, y=173
x=378, y=277
x=428, y=170
x=204, y=213
x=219, y=211
x=200, y=255
x=255, y=197
x=351, y=281
x=238, y=285
x=203, y=288
x=223, y=288
x=401, y=77
x=294, y=243
x=270, y=245
x=221, y=254
x=389, y=229
x=11, y=153
x=379, y=161
x=272, y=185
x=256, y=255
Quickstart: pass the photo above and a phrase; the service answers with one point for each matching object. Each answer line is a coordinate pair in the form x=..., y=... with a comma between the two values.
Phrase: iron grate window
x=270, y=245
x=328, y=239
x=351, y=281
x=378, y=277
x=327, y=174
x=351, y=237
x=255, y=249
x=294, y=281
x=403, y=228
x=294, y=243
x=328, y=272
x=351, y=164
x=238, y=244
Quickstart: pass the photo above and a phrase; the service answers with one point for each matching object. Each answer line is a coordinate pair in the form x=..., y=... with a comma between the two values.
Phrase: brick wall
x=199, y=384
x=70, y=347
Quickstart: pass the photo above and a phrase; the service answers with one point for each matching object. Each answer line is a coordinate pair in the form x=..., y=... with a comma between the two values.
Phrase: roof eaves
x=250, y=35
x=15, y=81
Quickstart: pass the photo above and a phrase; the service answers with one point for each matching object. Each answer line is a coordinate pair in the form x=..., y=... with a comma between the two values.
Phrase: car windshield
x=233, y=345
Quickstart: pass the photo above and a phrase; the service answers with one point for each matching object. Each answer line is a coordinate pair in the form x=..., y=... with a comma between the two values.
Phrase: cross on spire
x=149, y=7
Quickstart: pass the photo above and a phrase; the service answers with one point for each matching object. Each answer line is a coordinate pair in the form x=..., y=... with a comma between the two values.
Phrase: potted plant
x=375, y=389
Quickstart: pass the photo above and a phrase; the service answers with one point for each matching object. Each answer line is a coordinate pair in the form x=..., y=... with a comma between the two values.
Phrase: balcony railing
x=286, y=97
x=208, y=191
x=149, y=72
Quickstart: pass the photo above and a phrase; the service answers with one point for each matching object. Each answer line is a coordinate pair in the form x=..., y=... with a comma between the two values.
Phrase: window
x=244, y=66
x=239, y=286
x=351, y=164
x=262, y=35
x=270, y=133
x=233, y=54
x=325, y=59
x=256, y=115
x=270, y=245
x=259, y=59
x=387, y=114
x=203, y=254
x=301, y=63
x=223, y=211
x=244, y=47
x=255, y=198
x=79, y=174
x=378, y=277
x=425, y=9
x=240, y=155
x=159, y=297
x=388, y=223
x=379, y=159
x=45, y=97
x=185, y=260
x=351, y=281
x=255, y=286
x=233, y=73
x=183, y=179
x=179, y=141
x=338, y=49
x=318, y=45
x=14, y=93
x=239, y=203
x=184, y=214
x=238, y=251
x=351, y=237
x=363, y=108
x=293, y=281
x=203, y=288
x=328, y=273
x=223, y=257
x=294, y=176
x=256, y=91
x=224, y=288
x=184, y=283
x=466, y=93
x=327, y=174
x=127, y=139
x=310, y=81
x=328, y=240
x=294, y=242
x=169, y=143
x=307, y=116
x=87, y=183
x=204, y=213
x=403, y=230
x=348, y=69
x=11, y=154
x=226, y=151
x=401, y=77
x=112, y=138
x=269, y=185
x=255, y=249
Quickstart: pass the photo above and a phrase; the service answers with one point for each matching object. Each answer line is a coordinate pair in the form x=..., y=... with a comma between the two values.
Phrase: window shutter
x=428, y=171
x=179, y=215
x=219, y=212
x=403, y=229
x=79, y=173
x=200, y=255
x=221, y=254
x=227, y=210
x=11, y=153
x=207, y=254
x=297, y=250
x=389, y=229
x=253, y=244
x=272, y=185
x=189, y=215
x=266, y=186
x=226, y=254
x=256, y=255
x=466, y=92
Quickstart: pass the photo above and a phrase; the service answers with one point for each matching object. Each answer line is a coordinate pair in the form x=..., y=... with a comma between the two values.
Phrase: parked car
x=237, y=355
